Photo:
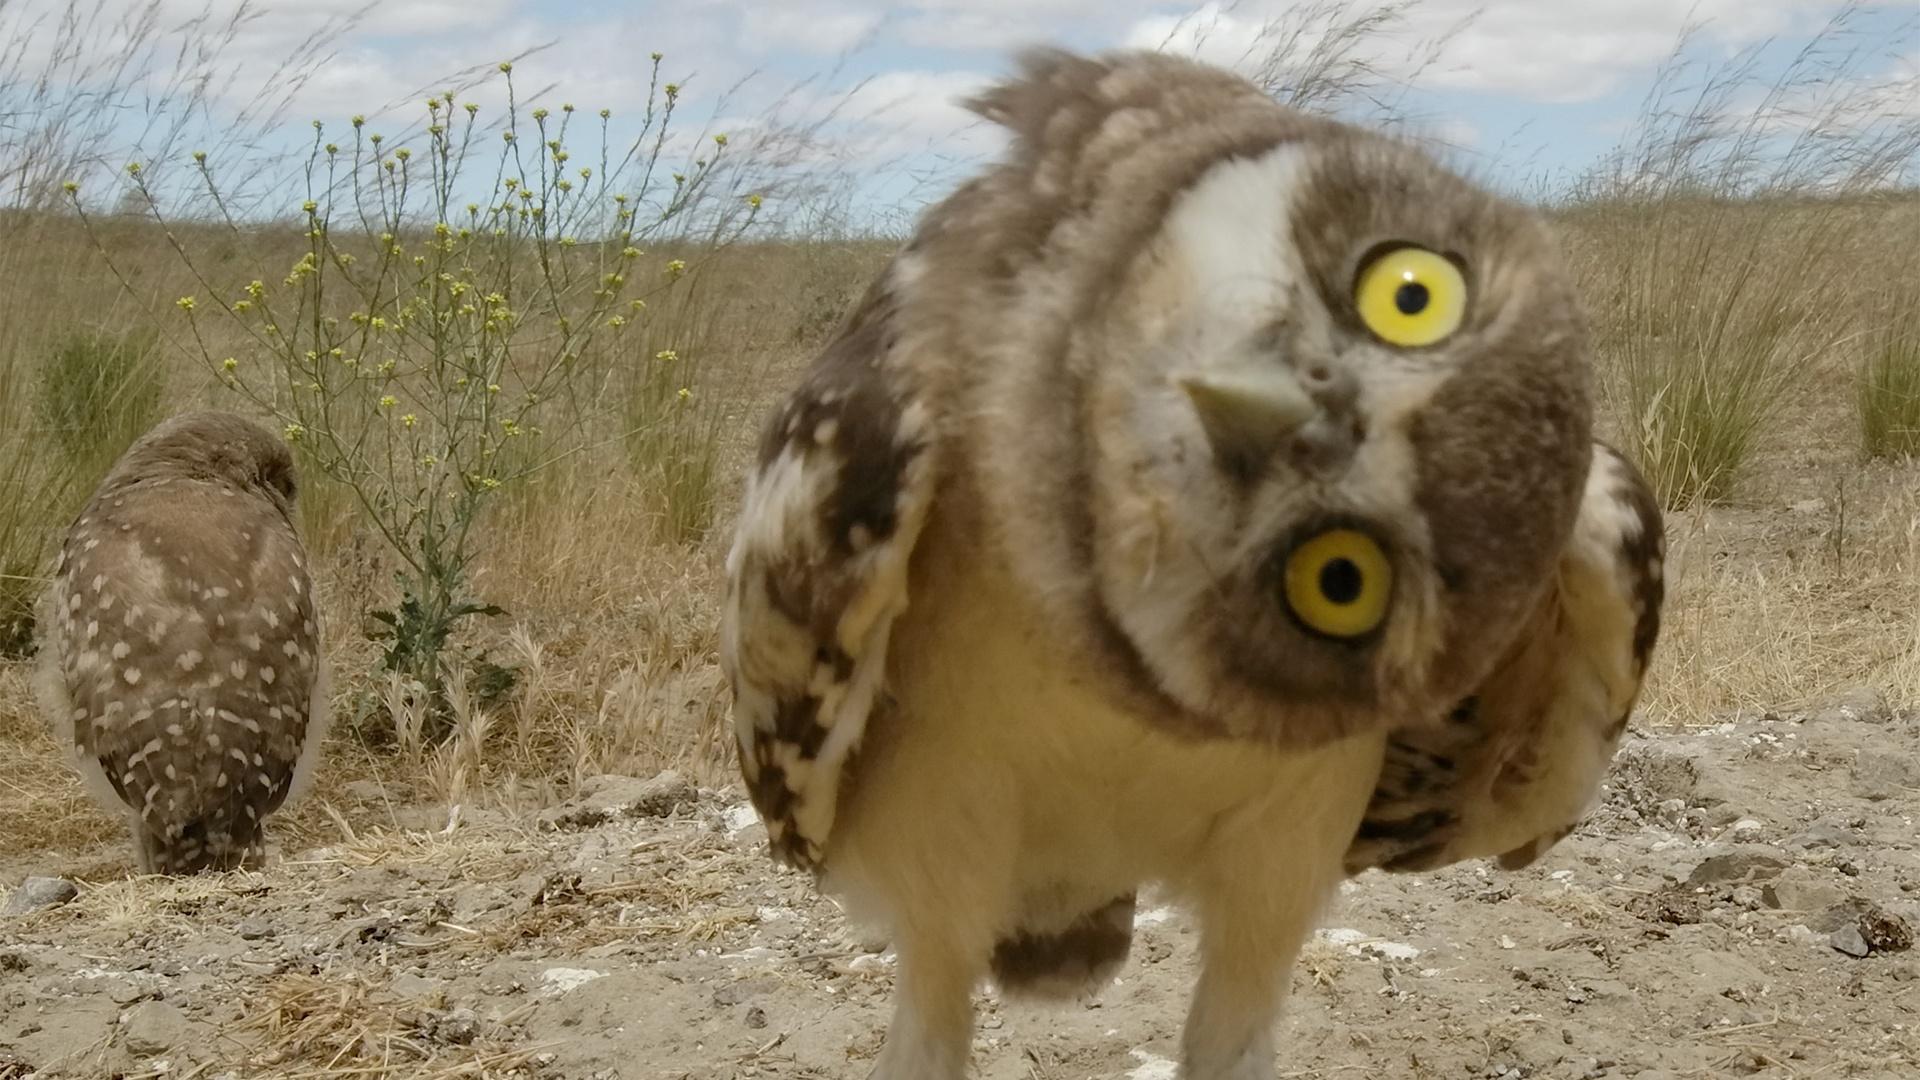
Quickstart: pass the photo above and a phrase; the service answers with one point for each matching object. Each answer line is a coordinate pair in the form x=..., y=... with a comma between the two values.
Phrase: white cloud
x=1003, y=24
x=810, y=32
x=741, y=58
x=917, y=109
x=1539, y=52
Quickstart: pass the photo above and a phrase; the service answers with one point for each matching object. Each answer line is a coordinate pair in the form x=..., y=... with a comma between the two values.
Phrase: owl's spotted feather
x=818, y=573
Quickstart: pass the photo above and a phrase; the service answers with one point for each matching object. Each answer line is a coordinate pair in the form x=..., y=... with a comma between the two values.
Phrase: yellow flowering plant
x=450, y=322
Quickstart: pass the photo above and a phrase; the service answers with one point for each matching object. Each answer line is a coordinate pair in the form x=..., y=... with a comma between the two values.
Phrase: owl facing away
x=180, y=643
x=1205, y=496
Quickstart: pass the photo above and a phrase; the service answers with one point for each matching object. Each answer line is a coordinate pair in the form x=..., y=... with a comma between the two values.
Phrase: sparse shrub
x=671, y=424
x=448, y=329
x=1718, y=246
x=69, y=414
x=98, y=392
x=1888, y=390
x=28, y=489
x=1703, y=345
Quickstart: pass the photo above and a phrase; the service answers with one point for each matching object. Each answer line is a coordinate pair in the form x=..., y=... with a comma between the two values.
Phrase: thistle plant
x=440, y=337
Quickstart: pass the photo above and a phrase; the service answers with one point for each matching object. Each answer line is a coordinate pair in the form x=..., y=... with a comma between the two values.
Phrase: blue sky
x=1528, y=90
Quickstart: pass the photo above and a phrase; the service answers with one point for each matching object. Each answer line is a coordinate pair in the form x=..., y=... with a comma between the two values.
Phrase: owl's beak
x=1248, y=413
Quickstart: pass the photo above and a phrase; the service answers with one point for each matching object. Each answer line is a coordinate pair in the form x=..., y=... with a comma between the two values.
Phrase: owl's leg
x=1264, y=881
x=1248, y=946
x=932, y=1029
x=209, y=844
x=146, y=845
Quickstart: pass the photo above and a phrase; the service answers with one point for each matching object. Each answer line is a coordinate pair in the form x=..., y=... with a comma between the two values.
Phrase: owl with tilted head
x=1204, y=497
x=180, y=643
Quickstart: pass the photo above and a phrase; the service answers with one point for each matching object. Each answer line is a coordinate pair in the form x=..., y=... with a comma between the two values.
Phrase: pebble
x=1741, y=865
x=1861, y=705
x=1849, y=940
x=459, y=1027
x=1822, y=835
x=605, y=798
x=1800, y=890
x=1886, y=774
x=562, y=980
x=153, y=1028
x=39, y=894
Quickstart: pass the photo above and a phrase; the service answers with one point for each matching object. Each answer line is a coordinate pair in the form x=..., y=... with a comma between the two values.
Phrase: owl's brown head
x=210, y=445
x=1334, y=397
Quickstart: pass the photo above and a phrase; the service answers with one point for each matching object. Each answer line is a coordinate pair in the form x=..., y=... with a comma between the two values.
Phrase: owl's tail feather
x=209, y=844
x=1077, y=959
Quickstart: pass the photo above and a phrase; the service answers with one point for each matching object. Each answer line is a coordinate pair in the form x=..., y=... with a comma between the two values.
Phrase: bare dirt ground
x=1740, y=904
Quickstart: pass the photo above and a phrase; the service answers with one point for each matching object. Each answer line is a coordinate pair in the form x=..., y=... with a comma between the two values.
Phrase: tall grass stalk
x=1888, y=389
x=1335, y=57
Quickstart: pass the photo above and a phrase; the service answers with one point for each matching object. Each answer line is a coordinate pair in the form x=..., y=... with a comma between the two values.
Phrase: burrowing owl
x=1176, y=465
x=180, y=642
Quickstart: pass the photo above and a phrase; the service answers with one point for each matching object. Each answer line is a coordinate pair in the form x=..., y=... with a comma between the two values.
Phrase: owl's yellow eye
x=1411, y=296
x=1338, y=583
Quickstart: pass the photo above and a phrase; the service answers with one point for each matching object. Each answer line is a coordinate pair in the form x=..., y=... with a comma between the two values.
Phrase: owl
x=1205, y=497
x=180, y=643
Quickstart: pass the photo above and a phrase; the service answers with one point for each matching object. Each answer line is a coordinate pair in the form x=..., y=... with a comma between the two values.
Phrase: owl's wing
x=1515, y=767
x=818, y=573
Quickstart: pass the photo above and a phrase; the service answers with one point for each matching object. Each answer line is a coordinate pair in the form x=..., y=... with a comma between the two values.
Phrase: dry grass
x=1737, y=243
x=332, y=1027
x=1889, y=385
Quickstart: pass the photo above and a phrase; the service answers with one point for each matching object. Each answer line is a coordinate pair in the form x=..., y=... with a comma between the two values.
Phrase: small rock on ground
x=39, y=894
x=153, y=1028
x=1849, y=940
x=605, y=798
x=1744, y=864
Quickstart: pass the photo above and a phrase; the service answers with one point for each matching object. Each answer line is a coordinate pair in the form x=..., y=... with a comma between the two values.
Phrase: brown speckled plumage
x=1003, y=618
x=180, y=642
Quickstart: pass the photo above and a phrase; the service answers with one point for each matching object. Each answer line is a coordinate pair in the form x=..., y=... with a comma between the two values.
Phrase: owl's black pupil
x=1340, y=581
x=1411, y=298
